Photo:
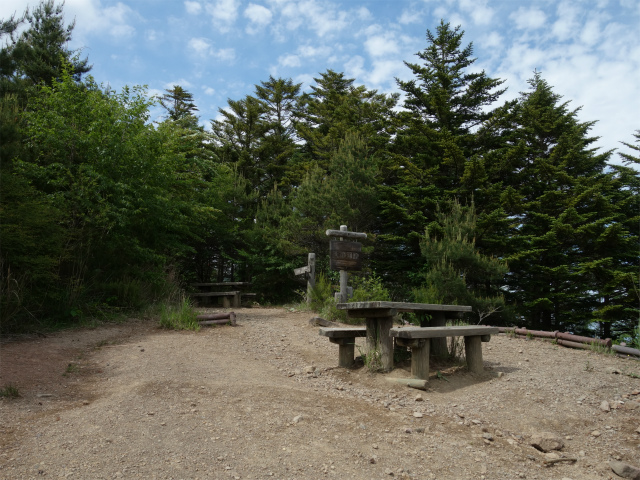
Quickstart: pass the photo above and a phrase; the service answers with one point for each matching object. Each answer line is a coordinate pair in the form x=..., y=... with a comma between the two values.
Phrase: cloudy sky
x=588, y=50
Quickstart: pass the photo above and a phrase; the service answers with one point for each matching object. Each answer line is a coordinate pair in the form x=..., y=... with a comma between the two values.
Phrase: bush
x=179, y=317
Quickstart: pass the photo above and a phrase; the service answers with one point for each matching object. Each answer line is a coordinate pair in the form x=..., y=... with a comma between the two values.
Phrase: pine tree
x=554, y=195
x=179, y=104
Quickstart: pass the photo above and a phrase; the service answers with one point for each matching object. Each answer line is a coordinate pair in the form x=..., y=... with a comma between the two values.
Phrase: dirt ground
x=265, y=400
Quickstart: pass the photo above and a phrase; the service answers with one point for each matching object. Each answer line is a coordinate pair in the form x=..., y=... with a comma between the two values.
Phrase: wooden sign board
x=302, y=270
x=345, y=255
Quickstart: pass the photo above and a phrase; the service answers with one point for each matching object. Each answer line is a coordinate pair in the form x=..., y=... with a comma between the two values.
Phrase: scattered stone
x=388, y=471
x=596, y=433
x=420, y=430
x=373, y=460
x=321, y=322
x=419, y=398
x=310, y=369
x=631, y=405
x=638, y=430
x=625, y=470
x=297, y=419
x=418, y=414
x=613, y=370
x=551, y=456
x=487, y=436
x=604, y=406
x=500, y=374
x=546, y=442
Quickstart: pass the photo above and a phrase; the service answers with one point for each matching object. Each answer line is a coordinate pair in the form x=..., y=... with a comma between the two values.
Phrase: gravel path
x=265, y=400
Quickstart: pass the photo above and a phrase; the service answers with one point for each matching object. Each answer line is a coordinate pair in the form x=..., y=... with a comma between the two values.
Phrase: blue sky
x=589, y=51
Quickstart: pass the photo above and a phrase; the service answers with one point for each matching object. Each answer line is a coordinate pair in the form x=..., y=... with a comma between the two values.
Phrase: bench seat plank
x=439, y=332
x=338, y=332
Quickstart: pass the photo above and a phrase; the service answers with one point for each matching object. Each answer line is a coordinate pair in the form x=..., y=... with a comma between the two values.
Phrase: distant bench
x=231, y=298
x=417, y=338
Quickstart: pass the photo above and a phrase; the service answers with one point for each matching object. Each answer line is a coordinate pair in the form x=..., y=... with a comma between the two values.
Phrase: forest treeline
x=468, y=199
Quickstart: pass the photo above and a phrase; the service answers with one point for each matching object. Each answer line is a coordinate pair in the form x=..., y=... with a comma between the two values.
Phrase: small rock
x=546, y=442
x=625, y=470
x=297, y=419
x=310, y=369
x=500, y=374
x=418, y=414
x=613, y=370
x=604, y=406
x=638, y=430
x=419, y=398
x=373, y=459
x=551, y=456
x=487, y=436
x=388, y=471
x=596, y=433
x=631, y=405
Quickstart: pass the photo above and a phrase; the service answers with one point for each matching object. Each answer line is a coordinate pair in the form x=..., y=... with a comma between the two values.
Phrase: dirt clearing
x=264, y=400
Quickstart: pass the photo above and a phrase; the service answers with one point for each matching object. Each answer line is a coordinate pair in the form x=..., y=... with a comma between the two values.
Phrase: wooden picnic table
x=230, y=298
x=379, y=320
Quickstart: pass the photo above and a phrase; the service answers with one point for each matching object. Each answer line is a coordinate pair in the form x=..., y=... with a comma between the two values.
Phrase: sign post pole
x=311, y=278
x=344, y=276
x=310, y=272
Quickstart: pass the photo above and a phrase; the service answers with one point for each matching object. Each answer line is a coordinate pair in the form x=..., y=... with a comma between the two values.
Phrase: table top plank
x=402, y=307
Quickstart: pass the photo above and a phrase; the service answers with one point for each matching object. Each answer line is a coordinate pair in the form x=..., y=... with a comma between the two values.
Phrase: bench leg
x=438, y=345
x=225, y=302
x=473, y=352
x=346, y=351
x=420, y=360
x=236, y=300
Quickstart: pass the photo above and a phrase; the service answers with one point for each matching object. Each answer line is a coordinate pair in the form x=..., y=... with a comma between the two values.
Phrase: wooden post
x=439, y=345
x=473, y=352
x=346, y=350
x=311, y=276
x=344, y=276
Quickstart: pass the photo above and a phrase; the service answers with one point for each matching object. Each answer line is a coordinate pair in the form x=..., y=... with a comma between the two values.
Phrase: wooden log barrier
x=217, y=319
x=626, y=350
x=606, y=342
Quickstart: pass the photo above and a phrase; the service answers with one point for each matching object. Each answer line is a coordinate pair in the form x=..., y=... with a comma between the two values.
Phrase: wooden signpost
x=310, y=271
x=345, y=256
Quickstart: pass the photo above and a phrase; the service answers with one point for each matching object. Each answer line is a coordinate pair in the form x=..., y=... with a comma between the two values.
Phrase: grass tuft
x=9, y=391
x=179, y=317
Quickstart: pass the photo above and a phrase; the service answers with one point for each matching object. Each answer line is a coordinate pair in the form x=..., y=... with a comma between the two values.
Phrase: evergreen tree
x=335, y=107
x=279, y=98
x=456, y=273
x=41, y=52
x=179, y=104
x=554, y=195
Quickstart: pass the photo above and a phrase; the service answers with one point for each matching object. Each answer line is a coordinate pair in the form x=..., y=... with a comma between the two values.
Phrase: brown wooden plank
x=439, y=332
x=334, y=332
x=404, y=307
x=214, y=294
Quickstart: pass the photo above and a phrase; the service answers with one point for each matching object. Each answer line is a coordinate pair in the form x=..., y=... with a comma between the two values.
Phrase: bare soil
x=265, y=400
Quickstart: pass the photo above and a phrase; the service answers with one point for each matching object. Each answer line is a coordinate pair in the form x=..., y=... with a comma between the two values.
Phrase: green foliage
x=369, y=289
x=9, y=391
x=457, y=274
x=179, y=316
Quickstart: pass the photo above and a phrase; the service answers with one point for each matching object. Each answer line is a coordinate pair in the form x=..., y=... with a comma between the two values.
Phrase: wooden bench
x=418, y=339
x=345, y=338
x=229, y=299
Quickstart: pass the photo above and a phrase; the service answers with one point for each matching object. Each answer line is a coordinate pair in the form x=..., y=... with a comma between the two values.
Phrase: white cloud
x=223, y=13
x=227, y=54
x=200, y=46
x=566, y=25
x=480, y=13
x=528, y=18
x=309, y=51
x=289, y=61
x=193, y=8
x=409, y=16
x=381, y=45
x=354, y=67
x=321, y=17
x=204, y=48
x=492, y=41
x=94, y=19
x=208, y=90
x=258, y=16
